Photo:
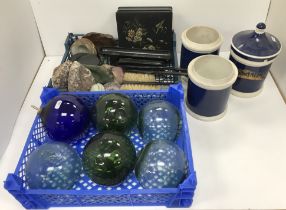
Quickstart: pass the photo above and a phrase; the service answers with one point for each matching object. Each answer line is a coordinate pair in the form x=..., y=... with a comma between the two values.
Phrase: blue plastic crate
x=87, y=193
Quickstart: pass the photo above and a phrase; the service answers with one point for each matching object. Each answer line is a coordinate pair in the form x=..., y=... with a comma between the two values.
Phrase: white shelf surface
x=240, y=159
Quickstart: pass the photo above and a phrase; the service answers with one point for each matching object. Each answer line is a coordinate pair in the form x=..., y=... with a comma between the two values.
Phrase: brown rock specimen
x=80, y=78
x=100, y=40
x=60, y=75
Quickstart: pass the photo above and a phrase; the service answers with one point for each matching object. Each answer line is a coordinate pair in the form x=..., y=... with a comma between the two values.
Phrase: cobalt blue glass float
x=159, y=120
x=197, y=41
x=253, y=52
x=115, y=112
x=108, y=158
x=64, y=117
x=54, y=165
x=209, y=85
x=161, y=164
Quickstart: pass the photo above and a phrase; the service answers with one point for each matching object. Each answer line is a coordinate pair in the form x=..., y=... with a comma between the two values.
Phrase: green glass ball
x=115, y=112
x=108, y=158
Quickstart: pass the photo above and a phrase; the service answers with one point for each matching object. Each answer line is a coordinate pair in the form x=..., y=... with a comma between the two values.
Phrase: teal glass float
x=114, y=112
x=161, y=164
x=53, y=165
x=159, y=120
x=108, y=158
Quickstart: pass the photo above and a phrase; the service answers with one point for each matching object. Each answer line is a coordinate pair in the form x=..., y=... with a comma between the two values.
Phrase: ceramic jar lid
x=256, y=43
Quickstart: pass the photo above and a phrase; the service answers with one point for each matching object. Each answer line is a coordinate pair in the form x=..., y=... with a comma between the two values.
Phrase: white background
x=56, y=18
x=276, y=22
x=21, y=54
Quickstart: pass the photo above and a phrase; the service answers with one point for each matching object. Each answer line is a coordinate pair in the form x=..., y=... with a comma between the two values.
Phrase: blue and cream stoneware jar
x=209, y=86
x=197, y=41
x=253, y=52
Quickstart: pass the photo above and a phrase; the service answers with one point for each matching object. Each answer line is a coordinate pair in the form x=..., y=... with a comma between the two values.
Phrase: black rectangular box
x=145, y=27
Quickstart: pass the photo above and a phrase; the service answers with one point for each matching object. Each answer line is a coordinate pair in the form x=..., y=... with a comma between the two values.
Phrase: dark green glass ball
x=108, y=158
x=115, y=112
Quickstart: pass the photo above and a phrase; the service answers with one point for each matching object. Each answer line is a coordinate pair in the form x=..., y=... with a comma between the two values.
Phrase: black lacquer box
x=147, y=28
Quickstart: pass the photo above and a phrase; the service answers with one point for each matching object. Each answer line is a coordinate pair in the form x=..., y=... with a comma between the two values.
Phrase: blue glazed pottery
x=209, y=86
x=54, y=165
x=253, y=52
x=197, y=41
x=161, y=164
x=64, y=117
x=159, y=120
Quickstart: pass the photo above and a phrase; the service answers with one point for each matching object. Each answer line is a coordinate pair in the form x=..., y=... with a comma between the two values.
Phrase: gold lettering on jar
x=247, y=74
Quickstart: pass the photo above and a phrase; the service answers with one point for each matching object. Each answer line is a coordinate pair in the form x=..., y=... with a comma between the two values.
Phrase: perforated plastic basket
x=87, y=193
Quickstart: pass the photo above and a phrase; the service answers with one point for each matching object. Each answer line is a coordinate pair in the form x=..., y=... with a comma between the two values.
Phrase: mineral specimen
x=112, y=86
x=60, y=75
x=101, y=74
x=100, y=40
x=84, y=58
x=97, y=87
x=80, y=78
x=118, y=74
x=83, y=45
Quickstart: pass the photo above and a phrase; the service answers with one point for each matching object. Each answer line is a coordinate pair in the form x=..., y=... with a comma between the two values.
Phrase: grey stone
x=83, y=45
x=86, y=59
x=102, y=74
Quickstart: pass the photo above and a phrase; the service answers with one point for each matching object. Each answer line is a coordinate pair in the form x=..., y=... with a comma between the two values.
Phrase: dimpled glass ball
x=159, y=120
x=161, y=164
x=64, y=117
x=53, y=165
x=114, y=112
x=108, y=158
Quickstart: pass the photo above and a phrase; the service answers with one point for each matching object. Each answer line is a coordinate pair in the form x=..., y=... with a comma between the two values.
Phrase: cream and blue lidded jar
x=253, y=52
